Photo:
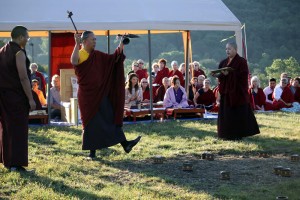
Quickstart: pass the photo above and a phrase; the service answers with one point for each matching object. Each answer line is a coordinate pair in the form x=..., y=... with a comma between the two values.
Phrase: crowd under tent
x=45, y=18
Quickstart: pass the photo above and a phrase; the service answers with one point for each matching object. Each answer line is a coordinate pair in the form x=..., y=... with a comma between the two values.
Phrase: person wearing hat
x=101, y=94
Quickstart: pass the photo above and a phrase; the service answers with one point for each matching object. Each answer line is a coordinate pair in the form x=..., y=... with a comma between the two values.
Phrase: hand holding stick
x=70, y=16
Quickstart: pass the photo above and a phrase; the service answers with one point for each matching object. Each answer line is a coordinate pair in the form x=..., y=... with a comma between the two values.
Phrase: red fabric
x=199, y=72
x=43, y=82
x=215, y=91
x=100, y=76
x=235, y=85
x=207, y=98
x=179, y=74
x=146, y=94
x=62, y=45
x=141, y=74
x=297, y=95
x=287, y=96
x=259, y=99
x=160, y=93
x=161, y=74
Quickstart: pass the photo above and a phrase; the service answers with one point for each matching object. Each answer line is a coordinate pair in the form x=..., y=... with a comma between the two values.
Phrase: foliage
x=290, y=66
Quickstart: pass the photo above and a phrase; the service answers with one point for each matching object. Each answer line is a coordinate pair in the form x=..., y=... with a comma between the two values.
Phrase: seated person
x=283, y=96
x=133, y=93
x=297, y=89
x=55, y=102
x=35, y=88
x=256, y=95
x=192, y=89
x=200, y=81
x=176, y=72
x=204, y=97
x=160, y=92
x=294, y=85
x=141, y=72
x=163, y=71
x=197, y=70
x=268, y=91
x=146, y=90
x=175, y=96
x=155, y=69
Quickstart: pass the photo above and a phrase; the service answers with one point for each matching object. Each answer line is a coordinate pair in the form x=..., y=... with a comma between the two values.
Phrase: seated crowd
x=168, y=88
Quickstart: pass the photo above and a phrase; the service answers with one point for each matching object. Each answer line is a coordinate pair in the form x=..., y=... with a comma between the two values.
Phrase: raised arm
x=75, y=53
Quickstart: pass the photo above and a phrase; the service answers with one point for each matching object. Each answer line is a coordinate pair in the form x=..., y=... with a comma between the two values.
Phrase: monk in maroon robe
x=101, y=94
x=162, y=73
x=283, y=96
x=161, y=91
x=235, y=119
x=15, y=101
x=205, y=97
x=256, y=95
x=176, y=72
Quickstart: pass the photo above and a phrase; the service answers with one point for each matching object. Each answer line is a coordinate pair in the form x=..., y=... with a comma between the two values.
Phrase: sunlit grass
x=63, y=173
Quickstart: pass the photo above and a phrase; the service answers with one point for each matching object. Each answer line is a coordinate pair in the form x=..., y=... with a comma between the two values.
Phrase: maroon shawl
x=235, y=85
x=100, y=75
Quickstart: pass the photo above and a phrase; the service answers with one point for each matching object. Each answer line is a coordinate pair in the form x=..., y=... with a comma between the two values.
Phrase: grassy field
x=61, y=171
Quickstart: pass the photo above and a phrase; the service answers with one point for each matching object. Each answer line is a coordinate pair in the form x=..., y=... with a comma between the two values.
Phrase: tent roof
x=51, y=15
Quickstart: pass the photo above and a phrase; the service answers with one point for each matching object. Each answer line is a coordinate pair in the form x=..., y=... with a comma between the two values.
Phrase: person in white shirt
x=269, y=90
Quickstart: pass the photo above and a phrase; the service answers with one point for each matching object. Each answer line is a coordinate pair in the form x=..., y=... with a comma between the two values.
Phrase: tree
x=290, y=66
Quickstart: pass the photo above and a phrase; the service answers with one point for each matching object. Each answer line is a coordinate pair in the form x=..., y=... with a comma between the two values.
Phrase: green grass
x=63, y=173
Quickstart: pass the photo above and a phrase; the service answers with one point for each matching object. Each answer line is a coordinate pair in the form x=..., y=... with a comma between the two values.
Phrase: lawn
x=62, y=172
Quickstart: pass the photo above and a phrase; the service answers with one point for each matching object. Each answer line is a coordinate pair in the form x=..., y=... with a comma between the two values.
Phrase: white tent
x=118, y=16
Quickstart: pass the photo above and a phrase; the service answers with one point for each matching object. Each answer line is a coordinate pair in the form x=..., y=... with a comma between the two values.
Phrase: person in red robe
x=197, y=71
x=176, y=72
x=256, y=95
x=161, y=91
x=35, y=74
x=162, y=73
x=204, y=97
x=15, y=101
x=283, y=96
x=146, y=90
x=296, y=85
x=101, y=94
x=142, y=73
x=235, y=118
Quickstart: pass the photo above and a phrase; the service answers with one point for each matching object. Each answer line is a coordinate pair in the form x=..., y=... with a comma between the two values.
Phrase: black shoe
x=131, y=144
x=20, y=169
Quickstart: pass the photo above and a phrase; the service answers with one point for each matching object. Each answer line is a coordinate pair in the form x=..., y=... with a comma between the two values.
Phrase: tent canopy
x=45, y=15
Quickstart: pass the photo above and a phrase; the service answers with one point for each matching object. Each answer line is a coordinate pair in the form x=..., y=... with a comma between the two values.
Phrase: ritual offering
x=210, y=156
x=286, y=172
x=295, y=158
x=277, y=170
x=187, y=166
x=224, y=175
x=158, y=159
x=263, y=154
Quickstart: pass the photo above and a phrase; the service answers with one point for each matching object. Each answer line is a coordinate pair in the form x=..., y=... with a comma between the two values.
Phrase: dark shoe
x=131, y=144
x=20, y=169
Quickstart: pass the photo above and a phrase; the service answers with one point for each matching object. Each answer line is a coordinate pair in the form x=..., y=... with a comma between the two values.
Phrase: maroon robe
x=101, y=98
x=105, y=78
x=42, y=82
x=235, y=118
x=297, y=95
x=198, y=73
x=206, y=98
x=258, y=98
x=287, y=96
x=160, y=93
x=141, y=73
x=14, y=109
x=179, y=74
x=160, y=75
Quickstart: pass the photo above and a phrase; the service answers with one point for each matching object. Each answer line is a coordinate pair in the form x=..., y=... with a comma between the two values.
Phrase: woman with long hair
x=133, y=93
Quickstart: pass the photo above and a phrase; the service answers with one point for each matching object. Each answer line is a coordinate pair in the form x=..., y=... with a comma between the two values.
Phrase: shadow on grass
x=60, y=187
x=246, y=173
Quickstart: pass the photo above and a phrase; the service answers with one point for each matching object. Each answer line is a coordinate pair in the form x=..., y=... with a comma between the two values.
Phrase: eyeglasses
x=144, y=82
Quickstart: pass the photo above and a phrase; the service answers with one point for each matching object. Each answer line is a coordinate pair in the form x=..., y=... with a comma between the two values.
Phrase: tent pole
x=187, y=62
x=108, y=42
x=246, y=49
x=49, y=76
x=149, y=72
